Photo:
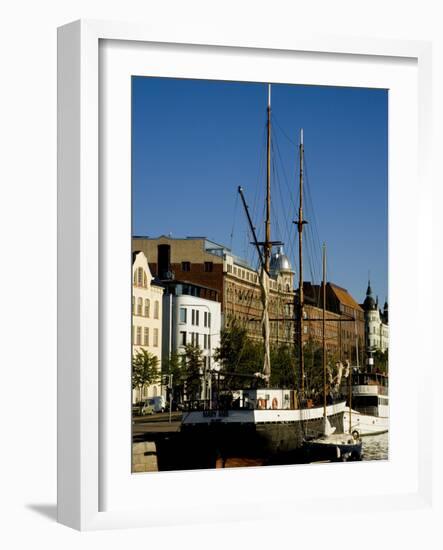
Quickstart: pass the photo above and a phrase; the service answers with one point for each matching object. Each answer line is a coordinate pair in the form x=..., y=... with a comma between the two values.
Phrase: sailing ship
x=263, y=423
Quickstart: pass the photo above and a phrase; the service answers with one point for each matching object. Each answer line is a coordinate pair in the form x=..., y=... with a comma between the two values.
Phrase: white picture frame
x=84, y=210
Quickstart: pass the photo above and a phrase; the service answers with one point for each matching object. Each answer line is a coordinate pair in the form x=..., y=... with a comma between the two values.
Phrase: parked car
x=142, y=408
x=158, y=404
x=147, y=408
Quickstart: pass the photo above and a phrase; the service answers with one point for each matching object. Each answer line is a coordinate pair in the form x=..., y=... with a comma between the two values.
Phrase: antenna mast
x=324, y=330
x=268, y=245
x=300, y=222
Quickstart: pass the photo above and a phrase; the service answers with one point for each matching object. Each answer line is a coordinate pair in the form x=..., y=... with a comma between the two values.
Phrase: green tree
x=313, y=367
x=381, y=361
x=193, y=369
x=238, y=354
x=284, y=372
x=173, y=366
x=145, y=370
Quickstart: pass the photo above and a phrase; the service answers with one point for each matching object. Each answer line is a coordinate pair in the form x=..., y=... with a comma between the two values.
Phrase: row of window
x=207, y=266
x=376, y=330
x=253, y=278
x=252, y=299
x=195, y=317
x=140, y=336
x=244, y=274
x=195, y=339
x=143, y=308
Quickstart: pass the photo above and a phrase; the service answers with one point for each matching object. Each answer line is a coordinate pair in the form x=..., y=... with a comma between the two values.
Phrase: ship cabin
x=370, y=393
x=263, y=398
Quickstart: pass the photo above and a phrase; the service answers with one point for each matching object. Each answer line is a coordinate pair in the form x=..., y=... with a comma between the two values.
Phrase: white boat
x=368, y=413
x=333, y=447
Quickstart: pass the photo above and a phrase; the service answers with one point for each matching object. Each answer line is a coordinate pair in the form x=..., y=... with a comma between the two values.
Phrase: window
x=156, y=308
x=147, y=307
x=195, y=314
x=138, y=339
x=141, y=275
x=182, y=338
x=205, y=319
x=183, y=315
x=139, y=306
x=133, y=305
x=155, y=338
x=229, y=268
x=205, y=341
x=146, y=336
x=186, y=266
x=208, y=266
x=195, y=338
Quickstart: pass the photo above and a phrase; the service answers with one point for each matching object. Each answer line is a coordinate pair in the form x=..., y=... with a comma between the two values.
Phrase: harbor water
x=375, y=447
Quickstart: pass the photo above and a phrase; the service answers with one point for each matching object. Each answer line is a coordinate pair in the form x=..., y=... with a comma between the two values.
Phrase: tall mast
x=324, y=330
x=300, y=223
x=267, y=246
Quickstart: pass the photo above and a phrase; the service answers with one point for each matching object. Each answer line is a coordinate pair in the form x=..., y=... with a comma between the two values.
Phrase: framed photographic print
x=233, y=303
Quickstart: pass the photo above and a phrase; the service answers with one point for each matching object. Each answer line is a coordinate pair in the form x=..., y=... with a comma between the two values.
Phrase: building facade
x=345, y=324
x=376, y=323
x=191, y=315
x=200, y=261
x=147, y=313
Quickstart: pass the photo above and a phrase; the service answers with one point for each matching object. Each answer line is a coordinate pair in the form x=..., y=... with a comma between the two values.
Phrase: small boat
x=331, y=446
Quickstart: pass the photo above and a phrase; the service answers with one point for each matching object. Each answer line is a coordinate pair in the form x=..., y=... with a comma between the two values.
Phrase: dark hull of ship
x=210, y=444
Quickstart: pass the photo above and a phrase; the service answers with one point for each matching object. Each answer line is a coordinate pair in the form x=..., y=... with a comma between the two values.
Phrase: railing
x=372, y=389
x=224, y=403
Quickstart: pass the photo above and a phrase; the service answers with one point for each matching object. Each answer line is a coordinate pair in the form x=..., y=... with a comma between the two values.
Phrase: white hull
x=365, y=424
x=257, y=416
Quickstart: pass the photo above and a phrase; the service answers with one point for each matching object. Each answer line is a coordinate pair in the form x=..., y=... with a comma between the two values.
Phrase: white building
x=147, y=307
x=190, y=319
x=376, y=323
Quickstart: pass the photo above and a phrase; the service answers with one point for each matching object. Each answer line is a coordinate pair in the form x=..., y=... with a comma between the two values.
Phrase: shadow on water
x=175, y=452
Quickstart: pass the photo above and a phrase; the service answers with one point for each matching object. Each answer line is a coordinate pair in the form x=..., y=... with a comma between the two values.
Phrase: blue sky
x=194, y=142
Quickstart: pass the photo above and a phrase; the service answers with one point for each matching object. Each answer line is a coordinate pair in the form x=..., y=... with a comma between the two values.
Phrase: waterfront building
x=191, y=315
x=345, y=325
x=199, y=261
x=376, y=323
x=147, y=308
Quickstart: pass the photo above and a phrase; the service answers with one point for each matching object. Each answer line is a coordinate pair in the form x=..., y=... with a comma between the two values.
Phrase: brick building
x=341, y=330
x=213, y=266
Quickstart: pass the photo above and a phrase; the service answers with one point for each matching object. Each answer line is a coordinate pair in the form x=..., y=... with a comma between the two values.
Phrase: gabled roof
x=344, y=297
